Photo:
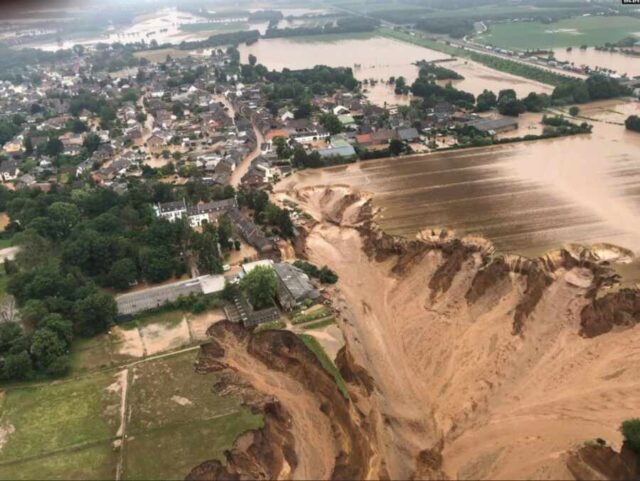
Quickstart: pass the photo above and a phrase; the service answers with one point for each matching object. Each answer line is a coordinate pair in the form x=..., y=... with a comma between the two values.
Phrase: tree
x=401, y=87
x=511, y=106
x=630, y=430
x=536, y=102
x=331, y=122
x=123, y=273
x=94, y=313
x=327, y=276
x=157, y=264
x=396, y=147
x=61, y=218
x=260, y=286
x=17, y=366
x=573, y=111
x=62, y=327
x=633, y=123
x=78, y=126
x=9, y=332
x=252, y=59
x=46, y=347
x=91, y=143
x=303, y=111
x=53, y=147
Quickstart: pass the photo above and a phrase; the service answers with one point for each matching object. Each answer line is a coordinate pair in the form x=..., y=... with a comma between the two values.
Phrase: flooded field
x=527, y=198
x=379, y=58
x=622, y=64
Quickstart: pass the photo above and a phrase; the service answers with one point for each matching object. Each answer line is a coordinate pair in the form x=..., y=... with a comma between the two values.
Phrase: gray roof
x=408, y=133
x=154, y=297
x=346, y=151
x=295, y=281
x=486, y=125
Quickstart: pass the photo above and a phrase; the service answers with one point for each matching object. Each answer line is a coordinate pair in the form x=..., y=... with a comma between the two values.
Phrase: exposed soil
x=459, y=363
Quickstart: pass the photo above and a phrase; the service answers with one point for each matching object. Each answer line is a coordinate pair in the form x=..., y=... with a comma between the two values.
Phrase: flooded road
x=527, y=198
x=379, y=58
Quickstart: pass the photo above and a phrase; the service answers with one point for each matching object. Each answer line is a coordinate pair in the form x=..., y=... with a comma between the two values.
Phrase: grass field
x=71, y=430
x=572, y=32
x=60, y=430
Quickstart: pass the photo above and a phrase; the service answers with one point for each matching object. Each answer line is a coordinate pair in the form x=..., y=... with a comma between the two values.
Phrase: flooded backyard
x=379, y=58
x=527, y=198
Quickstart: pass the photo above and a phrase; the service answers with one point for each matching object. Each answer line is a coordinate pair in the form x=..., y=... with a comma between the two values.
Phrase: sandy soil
x=131, y=342
x=312, y=431
x=4, y=220
x=453, y=375
x=199, y=324
x=158, y=338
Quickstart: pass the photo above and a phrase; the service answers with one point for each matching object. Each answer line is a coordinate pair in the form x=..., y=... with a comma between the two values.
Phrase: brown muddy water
x=380, y=58
x=527, y=198
x=620, y=63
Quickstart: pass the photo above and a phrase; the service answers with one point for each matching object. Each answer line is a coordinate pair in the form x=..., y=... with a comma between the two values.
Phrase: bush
x=630, y=430
x=573, y=111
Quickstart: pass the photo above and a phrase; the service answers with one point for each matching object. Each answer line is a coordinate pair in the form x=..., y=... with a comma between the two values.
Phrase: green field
x=315, y=347
x=60, y=430
x=71, y=429
x=573, y=32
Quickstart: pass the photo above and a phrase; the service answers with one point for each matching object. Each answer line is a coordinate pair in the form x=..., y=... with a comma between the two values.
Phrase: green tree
x=632, y=123
x=17, y=366
x=396, y=147
x=260, y=286
x=252, y=59
x=61, y=218
x=95, y=313
x=53, y=147
x=156, y=263
x=123, y=273
x=62, y=327
x=574, y=110
x=91, y=143
x=331, y=122
x=46, y=347
x=536, y=102
x=630, y=430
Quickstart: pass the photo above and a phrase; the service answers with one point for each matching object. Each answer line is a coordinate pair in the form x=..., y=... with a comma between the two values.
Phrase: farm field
x=120, y=421
x=573, y=32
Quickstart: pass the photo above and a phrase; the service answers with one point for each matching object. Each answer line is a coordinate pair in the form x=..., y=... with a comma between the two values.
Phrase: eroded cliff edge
x=459, y=362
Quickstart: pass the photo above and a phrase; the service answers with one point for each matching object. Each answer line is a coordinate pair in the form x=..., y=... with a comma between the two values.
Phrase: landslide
x=469, y=364
x=310, y=432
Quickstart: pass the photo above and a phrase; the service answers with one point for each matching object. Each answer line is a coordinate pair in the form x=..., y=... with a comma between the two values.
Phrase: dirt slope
x=460, y=363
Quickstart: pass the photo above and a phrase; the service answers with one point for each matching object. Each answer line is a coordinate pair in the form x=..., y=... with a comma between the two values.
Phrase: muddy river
x=379, y=58
x=527, y=197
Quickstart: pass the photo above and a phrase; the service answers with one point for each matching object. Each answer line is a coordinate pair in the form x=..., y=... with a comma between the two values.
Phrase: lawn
x=39, y=422
x=66, y=430
x=175, y=410
x=311, y=315
x=94, y=462
x=572, y=32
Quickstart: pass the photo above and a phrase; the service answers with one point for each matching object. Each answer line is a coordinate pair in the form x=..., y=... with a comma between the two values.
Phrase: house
x=171, y=210
x=155, y=142
x=9, y=170
x=205, y=212
x=252, y=234
x=242, y=311
x=13, y=147
x=408, y=134
x=344, y=152
x=294, y=286
x=494, y=126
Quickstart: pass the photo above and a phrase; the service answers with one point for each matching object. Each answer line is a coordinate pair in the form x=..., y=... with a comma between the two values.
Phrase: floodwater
x=379, y=58
x=527, y=198
x=593, y=58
